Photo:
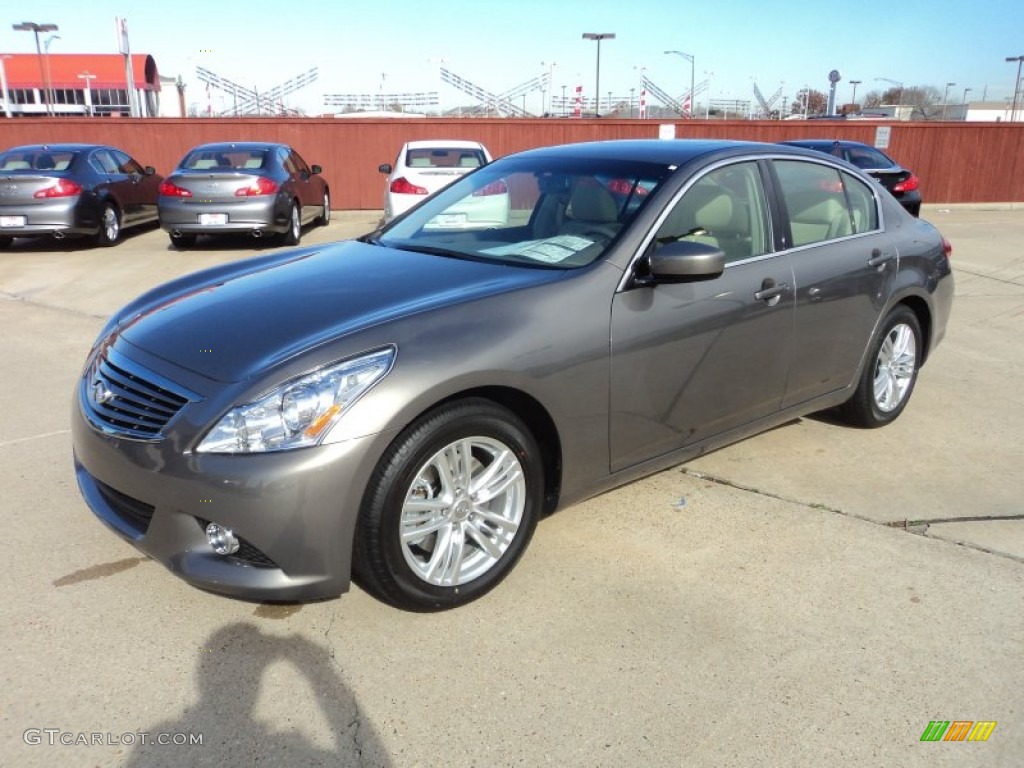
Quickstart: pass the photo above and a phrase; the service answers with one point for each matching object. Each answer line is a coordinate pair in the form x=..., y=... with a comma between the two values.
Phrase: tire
x=427, y=539
x=325, y=218
x=293, y=234
x=5, y=243
x=889, y=376
x=183, y=241
x=110, y=227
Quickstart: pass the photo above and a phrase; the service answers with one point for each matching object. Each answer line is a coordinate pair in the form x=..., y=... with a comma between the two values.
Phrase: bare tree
x=809, y=101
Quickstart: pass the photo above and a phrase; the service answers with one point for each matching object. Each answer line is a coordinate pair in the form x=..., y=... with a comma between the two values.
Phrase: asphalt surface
x=812, y=596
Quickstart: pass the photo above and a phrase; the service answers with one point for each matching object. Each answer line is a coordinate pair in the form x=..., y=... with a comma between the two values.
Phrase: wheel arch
x=537, y=419
x=923, y=312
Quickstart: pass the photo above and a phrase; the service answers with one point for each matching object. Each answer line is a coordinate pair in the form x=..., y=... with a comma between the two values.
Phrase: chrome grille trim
x=120, y=397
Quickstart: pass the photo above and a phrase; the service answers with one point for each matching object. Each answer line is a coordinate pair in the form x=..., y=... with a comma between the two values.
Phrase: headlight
x=299, y=412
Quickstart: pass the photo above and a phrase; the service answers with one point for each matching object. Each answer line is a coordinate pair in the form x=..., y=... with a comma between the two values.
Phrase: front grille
x=122, y=398
x=136, y=514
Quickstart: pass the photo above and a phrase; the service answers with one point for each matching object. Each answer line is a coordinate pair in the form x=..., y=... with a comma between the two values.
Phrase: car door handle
x=771, y=292
x=878, y=258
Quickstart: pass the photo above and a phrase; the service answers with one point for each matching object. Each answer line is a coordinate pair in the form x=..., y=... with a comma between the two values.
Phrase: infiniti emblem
x=100, y=393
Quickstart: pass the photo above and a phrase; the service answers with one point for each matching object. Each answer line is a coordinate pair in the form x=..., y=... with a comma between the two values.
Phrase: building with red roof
x=79, y=84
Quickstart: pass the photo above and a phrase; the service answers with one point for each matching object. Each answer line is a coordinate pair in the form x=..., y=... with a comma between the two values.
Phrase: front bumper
x=293, y=511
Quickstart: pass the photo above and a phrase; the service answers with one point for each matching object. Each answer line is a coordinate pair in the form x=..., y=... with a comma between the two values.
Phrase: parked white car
x=424, y=167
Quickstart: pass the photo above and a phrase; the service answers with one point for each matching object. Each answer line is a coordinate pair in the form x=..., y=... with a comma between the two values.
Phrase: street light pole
x=88, y=77
x=945, y=98
x=1016, y=85
x=854, y=83
x=693, y=65
x=49, y=78
x=598, y=36
x=899, y=105
x=31, y=26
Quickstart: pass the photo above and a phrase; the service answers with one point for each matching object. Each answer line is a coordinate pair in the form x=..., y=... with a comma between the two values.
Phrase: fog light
x=221, y=539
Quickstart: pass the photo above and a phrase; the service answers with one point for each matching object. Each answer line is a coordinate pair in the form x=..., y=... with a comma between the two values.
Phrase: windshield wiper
x=433, y=250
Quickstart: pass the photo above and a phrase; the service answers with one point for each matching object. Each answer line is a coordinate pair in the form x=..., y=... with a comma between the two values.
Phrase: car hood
x=232, y=324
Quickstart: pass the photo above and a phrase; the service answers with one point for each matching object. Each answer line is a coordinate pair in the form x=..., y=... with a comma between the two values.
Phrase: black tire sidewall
x=379, y=547
x=865, y=408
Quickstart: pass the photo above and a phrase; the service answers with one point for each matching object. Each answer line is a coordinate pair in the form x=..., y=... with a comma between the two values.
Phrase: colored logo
x=958, y=730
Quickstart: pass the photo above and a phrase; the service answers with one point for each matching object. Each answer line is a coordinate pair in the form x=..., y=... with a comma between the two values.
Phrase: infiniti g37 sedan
x=60, y=190
x=242, y=188
x=402, y=409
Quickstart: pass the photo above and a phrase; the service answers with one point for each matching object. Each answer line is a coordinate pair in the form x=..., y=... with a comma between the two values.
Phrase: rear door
x=118, y=184
x=844, y=267
x=138, y=190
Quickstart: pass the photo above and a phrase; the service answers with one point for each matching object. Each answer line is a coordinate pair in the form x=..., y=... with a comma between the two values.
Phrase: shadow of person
x=232, y=667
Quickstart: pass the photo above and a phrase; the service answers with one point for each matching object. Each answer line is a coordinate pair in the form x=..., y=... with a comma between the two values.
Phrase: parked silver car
x=61, y=190
x=242, y=188
x=408, y=405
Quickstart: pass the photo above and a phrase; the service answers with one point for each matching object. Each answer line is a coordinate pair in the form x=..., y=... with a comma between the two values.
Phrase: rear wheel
x=450, y=508
x=325, y=217
x=183, y=241
x=110, y=227
x=5, y=243
x=888, y=378
x=293, y=234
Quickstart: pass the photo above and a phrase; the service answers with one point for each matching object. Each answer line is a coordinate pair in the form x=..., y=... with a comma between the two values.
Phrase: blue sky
x=358, y=45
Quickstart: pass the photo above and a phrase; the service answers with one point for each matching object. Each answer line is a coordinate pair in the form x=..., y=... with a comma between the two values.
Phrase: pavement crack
x=43, y=436
x=912, y=526
x=52, y=307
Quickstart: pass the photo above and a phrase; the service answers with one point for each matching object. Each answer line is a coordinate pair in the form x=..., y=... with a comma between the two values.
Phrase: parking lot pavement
x=754, y=607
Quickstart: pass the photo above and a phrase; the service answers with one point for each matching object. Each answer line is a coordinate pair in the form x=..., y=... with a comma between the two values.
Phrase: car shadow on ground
x=72, y=243
x=232, y=667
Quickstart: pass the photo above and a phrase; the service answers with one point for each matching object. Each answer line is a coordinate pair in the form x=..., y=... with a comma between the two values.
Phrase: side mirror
x=683, y=260
x=384, y=168
x=149, y=170
x=316, y=169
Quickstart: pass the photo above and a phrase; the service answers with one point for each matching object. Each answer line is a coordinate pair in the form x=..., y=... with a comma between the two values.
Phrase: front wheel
x=110, y=227
x=325, y=218
x=888, y=378
x=450, y=508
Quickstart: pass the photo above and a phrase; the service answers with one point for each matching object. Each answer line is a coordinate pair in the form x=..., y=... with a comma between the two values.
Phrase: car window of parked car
x=45, y=160
x=126, y=164
x=104, y=160
x=300, y=164
x=288, y=163
x=816, y=205
x=725, y=208
x=867, y=158
x=443, y=157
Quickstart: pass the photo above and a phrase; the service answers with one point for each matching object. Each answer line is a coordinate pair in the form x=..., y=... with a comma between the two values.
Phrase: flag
x=688, y=105
x=578, y=112
x=643, y=103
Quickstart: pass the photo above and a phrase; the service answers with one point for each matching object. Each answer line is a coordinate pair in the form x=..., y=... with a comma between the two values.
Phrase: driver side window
x=725, y=208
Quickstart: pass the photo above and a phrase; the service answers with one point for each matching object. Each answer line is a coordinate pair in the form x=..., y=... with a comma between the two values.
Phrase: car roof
x=447, y=143
x=66, y=147
x=668, y=152
x=827, y=143
x=245, y=146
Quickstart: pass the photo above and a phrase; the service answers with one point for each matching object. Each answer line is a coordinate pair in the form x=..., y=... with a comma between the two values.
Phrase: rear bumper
x=59, y=217
x=242, y=217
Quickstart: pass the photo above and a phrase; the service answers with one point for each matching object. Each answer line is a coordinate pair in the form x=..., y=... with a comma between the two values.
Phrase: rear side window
x=815, y=200
x=103, y=161
x=862, y=204
x=440, y=157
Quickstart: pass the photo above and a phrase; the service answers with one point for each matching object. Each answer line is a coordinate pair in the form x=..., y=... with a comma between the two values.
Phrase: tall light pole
x=1016, y=85
x=565, y=110
x=88, y=77
x=693, y=65
x=707, y=109
x=945, y=98
x=49, y=79
x=899, y=106
x=31, y=26
x=548, y=88
x=854, y=83
x=3, y=84
x=598, y=36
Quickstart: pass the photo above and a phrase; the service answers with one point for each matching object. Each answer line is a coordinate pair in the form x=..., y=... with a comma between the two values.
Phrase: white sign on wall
x=667, y=131
x=882, y=134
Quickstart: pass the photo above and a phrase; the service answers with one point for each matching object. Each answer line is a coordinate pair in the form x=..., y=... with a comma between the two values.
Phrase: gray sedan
x=248, y=188
x=61, y=190
x=405, y=407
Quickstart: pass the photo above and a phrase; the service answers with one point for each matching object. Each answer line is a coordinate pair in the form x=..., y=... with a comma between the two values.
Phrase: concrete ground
x=813, y=596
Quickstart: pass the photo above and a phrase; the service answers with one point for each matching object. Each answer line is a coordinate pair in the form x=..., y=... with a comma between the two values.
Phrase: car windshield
x=444, y=157
x=537, y=211
x=35, y=160
x=867, y=158
x=224, y=160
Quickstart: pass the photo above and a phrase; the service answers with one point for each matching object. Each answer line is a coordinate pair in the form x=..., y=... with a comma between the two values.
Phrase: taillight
x=494, y=188
x=261, y=185
x=60, y=188
x=170, y=189
x=402, y=186
x=947, y=248
x=909, y=184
